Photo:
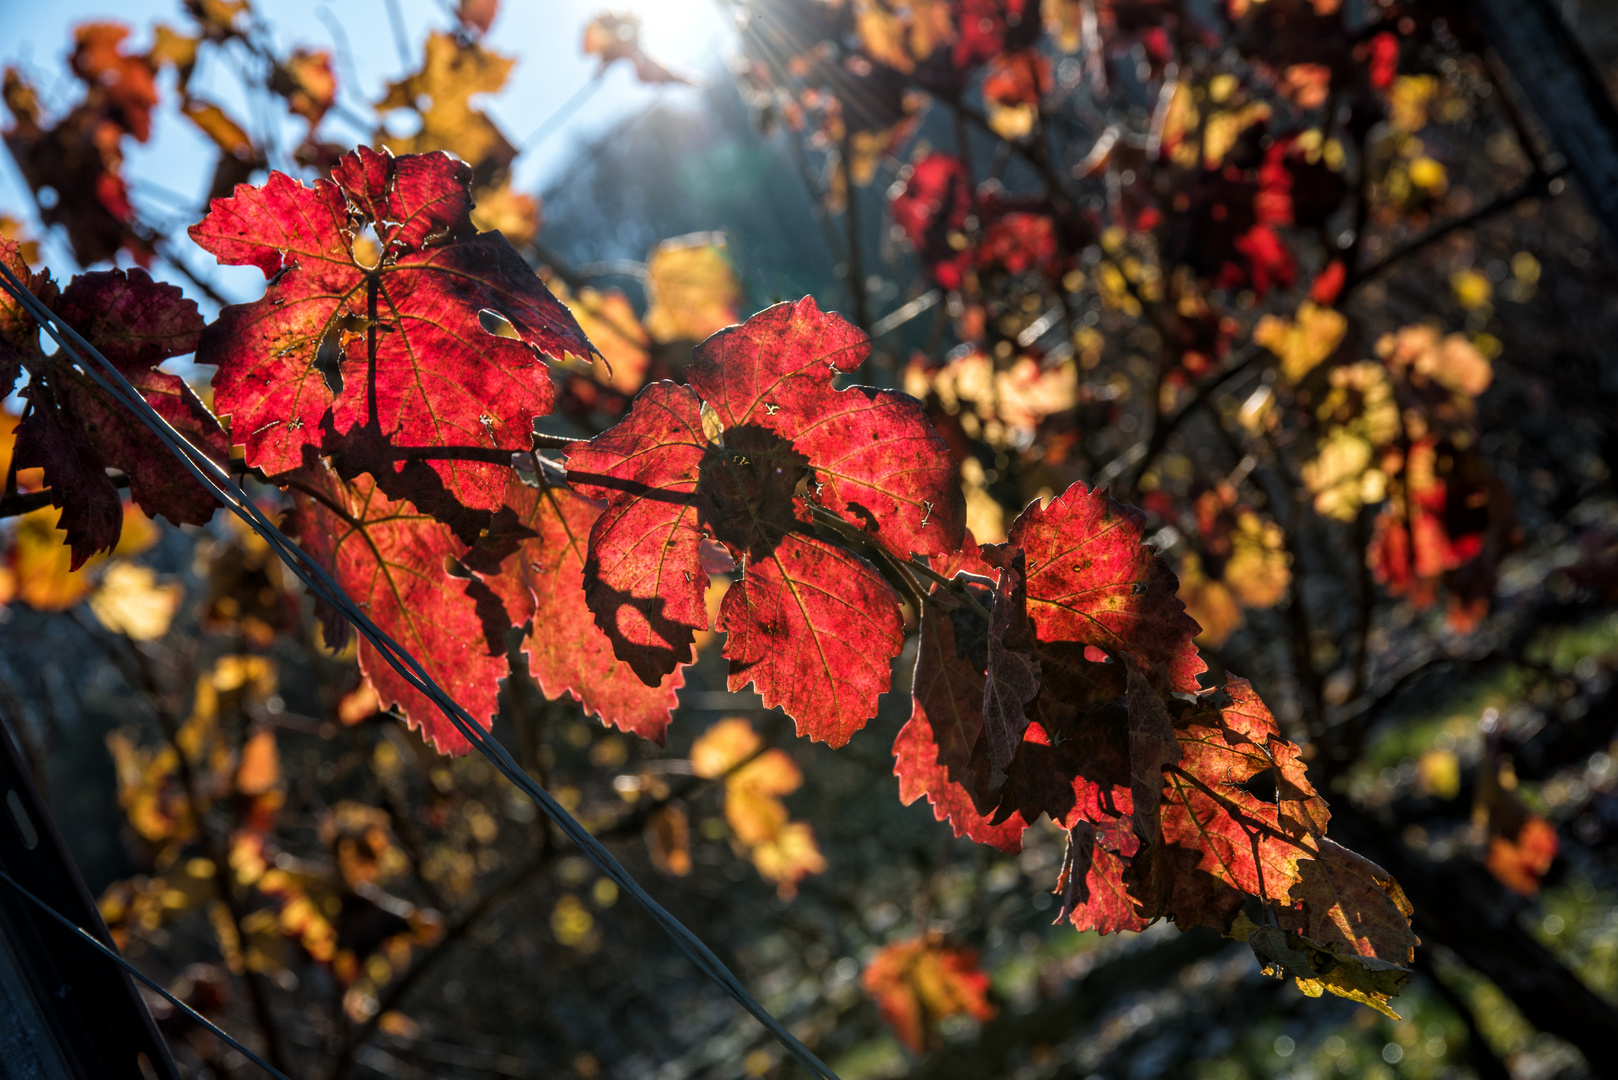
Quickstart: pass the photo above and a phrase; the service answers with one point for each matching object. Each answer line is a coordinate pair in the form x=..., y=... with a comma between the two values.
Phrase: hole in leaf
x=1263, y=786
x=497, y=324
x=328, y=358
x=367, y=248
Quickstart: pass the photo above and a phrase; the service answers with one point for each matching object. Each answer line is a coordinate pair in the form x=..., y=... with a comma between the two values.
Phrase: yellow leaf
x=608, y=319
x=572, y=922
x=1259, y=568
x=691, y=288
x=788, y=857
x=451, y=72
x=1304, y=343
x=1334, y=474
x=1209, y=603
x=1064, y=21
x=212, y=121
x=1471, y=288
x=1224, y=128
x=1428, y=175
x=1408, y=100
x=1318, y=969
x=722, y=747
x=1439, y=773
x=42, y=563
x=511, y=213
x=131, y=602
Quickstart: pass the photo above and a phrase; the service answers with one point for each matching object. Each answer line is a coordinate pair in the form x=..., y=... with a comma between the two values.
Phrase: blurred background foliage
x=297, y=865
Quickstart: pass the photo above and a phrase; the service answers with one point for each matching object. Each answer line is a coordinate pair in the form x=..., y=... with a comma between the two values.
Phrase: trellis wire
x=111, y=954
x=218, y=481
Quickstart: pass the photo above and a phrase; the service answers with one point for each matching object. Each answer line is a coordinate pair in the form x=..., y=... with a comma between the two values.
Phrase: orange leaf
x=918, y=982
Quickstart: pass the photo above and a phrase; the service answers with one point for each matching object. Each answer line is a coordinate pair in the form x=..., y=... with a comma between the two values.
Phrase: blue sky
x=174, y=168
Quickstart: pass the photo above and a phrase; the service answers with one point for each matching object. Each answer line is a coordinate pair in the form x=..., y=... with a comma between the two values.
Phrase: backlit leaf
x=1091, y=580
x=390, y=558
x=918, y=982
x=75, y=430
x=567, y=652
x=691, y=288
x=339, y=355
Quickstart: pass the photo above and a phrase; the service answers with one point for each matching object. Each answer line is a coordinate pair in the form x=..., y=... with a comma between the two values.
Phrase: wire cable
x=90, y=939
x=212, y=476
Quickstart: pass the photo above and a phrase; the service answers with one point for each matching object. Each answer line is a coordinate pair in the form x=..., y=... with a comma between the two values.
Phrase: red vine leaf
x=1011, y=675
x=946, y=719
x=1350, y=904
x=878, y=463
x=1152, y=745
x=390, y=558
x=1091, y=580
x=567, y=652
x=814, y=629
x=1212, y=803
x=643, y=577
x=75, y=430
x=388, y=357
x=19, y=332
x=1091, y=885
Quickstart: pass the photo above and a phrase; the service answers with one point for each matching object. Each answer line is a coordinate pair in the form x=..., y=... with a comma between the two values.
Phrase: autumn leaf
x=567, y=652
x=79, y=160
x=335, y=356
x=1302, y=343
x=1211, y=802
x=1011, y=674
x=129, y=601
x=74, y=430
x=643, y=577
x=784, y=851
x=811, y=626
x=920, y=981
x=1351, y=905
x=608, y=319
x=814, y=629
x=877, y=461
x=1091, y=580
x=668, y=840
x=617, y=37
x=19, y=332
x=41, y=563
x=391, y=559
x=691, y=288
x=947, y=711
x=1152, y=745
x=1091, y=886
x=1318, y=969
x=127, y=82
x=451, y=72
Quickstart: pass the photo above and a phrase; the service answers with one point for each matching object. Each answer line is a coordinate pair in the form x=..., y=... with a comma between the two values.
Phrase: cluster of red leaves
x=751, y=454
x=387, y=383
x=957, y=231
x=1082, y=702
x=79, y=157
x=75, y=431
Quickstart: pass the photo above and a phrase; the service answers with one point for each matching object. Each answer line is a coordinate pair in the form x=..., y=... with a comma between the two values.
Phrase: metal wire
x=212, y=476
x=111, y=954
